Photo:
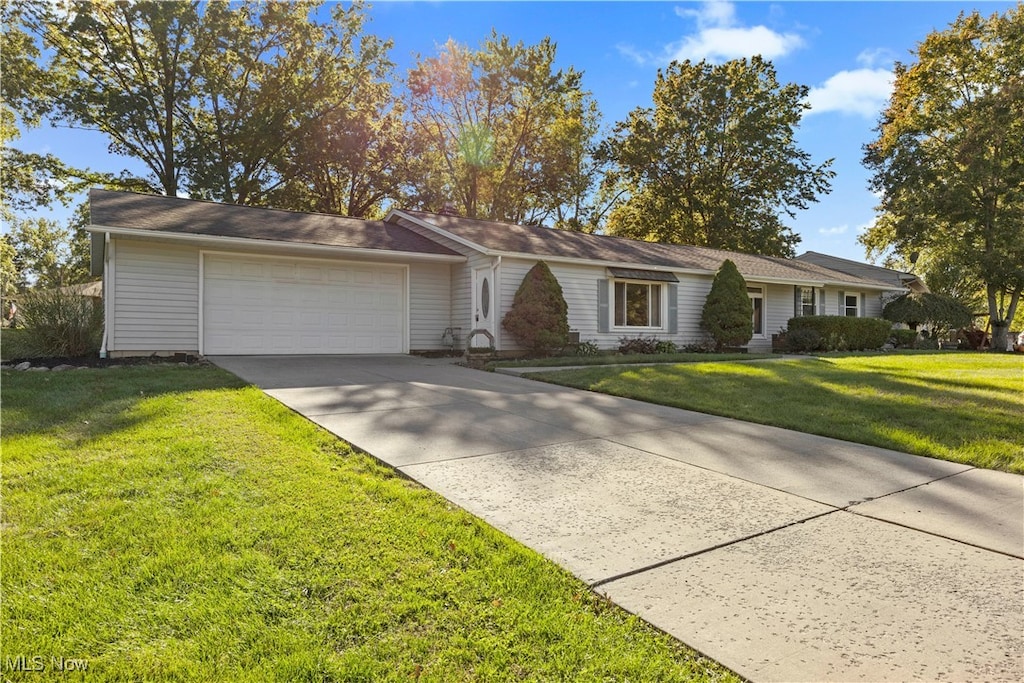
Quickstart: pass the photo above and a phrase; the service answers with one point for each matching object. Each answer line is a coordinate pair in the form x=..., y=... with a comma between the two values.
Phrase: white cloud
x=627, y=50
x=719, y=38
x=714, y=13
x=722, y=44
x=876, y=56
x=863, y=92
x=837, y=230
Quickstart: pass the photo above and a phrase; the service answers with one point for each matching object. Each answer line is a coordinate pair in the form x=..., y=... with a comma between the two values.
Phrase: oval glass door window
x=485, y=297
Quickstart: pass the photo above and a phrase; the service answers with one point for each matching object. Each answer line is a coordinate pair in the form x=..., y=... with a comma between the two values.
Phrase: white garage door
x=294, y=306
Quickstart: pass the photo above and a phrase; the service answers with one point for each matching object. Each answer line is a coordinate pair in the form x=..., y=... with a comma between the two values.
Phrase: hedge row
x=841, y=333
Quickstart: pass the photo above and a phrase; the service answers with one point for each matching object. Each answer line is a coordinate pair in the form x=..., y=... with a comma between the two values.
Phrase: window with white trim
x=851, y=305
x=638, y=304
x=807, y=302
x=756, y=295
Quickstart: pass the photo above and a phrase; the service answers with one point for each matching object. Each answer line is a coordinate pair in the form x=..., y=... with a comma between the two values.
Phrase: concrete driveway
x=784, y=556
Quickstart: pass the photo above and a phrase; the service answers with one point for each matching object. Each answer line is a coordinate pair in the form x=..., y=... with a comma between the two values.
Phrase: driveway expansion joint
x=702, y=551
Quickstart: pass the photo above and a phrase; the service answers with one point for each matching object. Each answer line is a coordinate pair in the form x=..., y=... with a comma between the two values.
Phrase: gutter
x=106, y=293
x=257, y=245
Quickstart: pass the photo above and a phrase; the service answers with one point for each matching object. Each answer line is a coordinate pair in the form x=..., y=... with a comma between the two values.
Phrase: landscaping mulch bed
x=97, y=362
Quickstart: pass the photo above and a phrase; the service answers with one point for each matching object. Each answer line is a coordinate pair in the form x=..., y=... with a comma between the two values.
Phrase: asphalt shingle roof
x=541, y=241
x=192, y=217
x=867, y=271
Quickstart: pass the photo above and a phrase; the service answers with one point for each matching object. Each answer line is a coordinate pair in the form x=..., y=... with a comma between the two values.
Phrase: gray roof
x=868, y=271
x=191, y=217
x=547, y=242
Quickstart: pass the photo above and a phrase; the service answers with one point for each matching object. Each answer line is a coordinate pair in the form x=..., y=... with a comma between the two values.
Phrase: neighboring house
x=897, y=278
x=199, y=277
x=89, y=290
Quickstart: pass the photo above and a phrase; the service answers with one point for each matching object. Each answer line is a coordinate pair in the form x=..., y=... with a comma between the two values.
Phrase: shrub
x=705, y=345
x=638, y=344
x=587, y=348
x=666, y=346
x=842, y=333
x=936, y=310
x=803, y=340
x=903, y=338
x=539, y=317
x=728, y=314
x=60, y=324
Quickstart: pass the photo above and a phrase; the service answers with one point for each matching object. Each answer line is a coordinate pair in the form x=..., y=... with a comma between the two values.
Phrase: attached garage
x=262, y=305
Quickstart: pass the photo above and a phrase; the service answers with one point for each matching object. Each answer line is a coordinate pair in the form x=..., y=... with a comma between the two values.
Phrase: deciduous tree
x=949, y=159
x=46, y=254
x=714, y=162
x=220, y=100
x=279, y=81
x=500, y=133
x=28, y=179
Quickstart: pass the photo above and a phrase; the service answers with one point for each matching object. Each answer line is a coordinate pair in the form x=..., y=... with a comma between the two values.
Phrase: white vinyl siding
x=430, y=304
x=579, y=287
x=873, y=304
x=778, y=306
x=156, y=298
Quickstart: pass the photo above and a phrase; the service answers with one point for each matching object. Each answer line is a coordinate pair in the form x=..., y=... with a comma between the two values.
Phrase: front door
x=483, y=300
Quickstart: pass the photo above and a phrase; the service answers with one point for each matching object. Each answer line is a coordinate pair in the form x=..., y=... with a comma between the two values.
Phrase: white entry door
x=483, y=301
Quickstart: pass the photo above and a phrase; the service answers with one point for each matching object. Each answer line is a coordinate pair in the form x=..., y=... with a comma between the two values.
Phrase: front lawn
x=626, y=359
x=172, y=524
x=964, y=407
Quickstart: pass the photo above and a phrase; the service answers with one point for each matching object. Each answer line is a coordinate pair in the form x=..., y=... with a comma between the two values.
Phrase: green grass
x=963, y=407
x=171, y=524
x=625, y=359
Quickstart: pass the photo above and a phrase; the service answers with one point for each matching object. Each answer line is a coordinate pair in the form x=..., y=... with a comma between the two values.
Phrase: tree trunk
x=1000, y=318
x=1000, y=339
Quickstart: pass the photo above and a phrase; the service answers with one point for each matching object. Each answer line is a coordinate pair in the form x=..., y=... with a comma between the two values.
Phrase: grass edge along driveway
x=962, y=407
x=172, y=524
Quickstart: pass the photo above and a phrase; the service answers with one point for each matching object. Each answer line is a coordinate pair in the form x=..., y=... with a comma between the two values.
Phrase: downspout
x=106, y=292
x=497, y=297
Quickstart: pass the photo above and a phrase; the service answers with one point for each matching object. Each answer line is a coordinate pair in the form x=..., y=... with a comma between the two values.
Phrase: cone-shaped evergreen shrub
x=539, y=317
x=728, y=314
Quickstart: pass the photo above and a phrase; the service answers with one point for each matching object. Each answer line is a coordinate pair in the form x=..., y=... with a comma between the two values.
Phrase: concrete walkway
x=784, y=556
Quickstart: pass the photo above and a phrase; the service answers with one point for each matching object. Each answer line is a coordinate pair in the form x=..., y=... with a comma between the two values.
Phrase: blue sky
x=843, y=51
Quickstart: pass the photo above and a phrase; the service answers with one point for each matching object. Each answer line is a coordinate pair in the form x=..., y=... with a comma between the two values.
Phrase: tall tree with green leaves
x=282, y=78
x=216, y=98
x=491, y=129
x=349, y=161
x=47, y=255
x=128, y=70
x=949, y=159
x=27, y=179
x=714, y=162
